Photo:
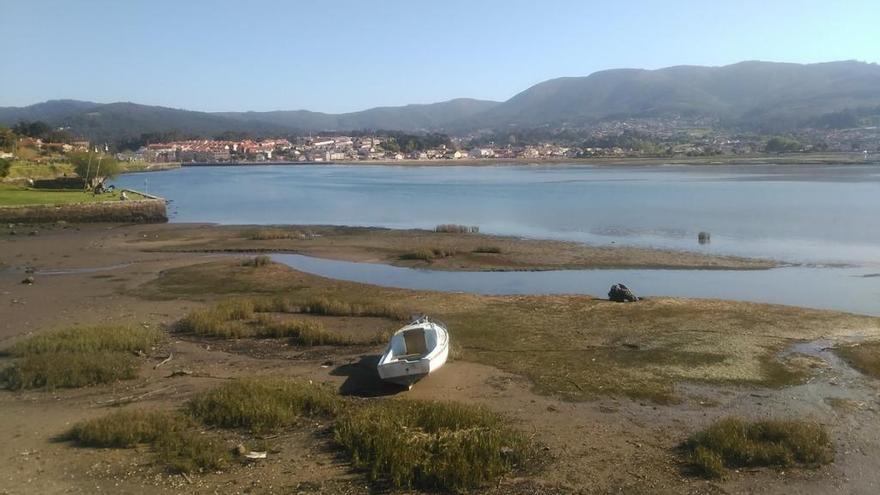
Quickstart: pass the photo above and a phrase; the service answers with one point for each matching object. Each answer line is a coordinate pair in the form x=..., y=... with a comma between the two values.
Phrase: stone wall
x=150, y=210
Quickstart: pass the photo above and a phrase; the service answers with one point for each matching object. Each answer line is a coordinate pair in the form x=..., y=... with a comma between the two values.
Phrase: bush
x=68, y=370
x=90, y=339
x=257, y=261
x=733, y=442
x=428, y=254
x=488, y=250
x=451, y=228
x=431, y=445
x=263, y=404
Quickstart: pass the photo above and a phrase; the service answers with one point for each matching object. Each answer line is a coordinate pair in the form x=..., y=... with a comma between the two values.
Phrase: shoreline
x=837, y=158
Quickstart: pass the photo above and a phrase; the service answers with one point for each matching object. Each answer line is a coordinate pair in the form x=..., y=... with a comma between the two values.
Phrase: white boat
x=415, y=350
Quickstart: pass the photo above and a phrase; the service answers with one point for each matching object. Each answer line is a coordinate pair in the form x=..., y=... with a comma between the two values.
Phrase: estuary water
x=820, y=216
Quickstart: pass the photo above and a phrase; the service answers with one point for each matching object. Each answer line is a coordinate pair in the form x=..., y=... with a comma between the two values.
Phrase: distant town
x=619, y=140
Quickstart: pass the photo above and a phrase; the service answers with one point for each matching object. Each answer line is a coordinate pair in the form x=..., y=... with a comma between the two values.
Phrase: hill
x=759, y=96
x=754, y=95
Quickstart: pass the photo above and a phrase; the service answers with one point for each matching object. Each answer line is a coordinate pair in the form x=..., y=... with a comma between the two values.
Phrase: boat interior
x=413, y=344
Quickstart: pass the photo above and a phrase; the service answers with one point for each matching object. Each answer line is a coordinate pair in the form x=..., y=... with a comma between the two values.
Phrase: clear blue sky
x=344, y=55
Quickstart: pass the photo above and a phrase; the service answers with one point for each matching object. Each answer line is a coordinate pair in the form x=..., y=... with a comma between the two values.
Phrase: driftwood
x=164, y=361
x=132, y=398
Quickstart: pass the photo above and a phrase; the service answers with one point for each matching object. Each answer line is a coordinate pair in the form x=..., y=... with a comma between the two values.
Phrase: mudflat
x=597, y=385
x=425, y=248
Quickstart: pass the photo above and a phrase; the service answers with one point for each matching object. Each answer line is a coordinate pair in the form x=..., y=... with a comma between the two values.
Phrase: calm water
x=845, y=289
x=813, y=215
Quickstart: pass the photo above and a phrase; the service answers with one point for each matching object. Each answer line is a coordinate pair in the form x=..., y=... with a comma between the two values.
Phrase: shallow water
x=818, y=216
x=841, y=289
x=798, y=213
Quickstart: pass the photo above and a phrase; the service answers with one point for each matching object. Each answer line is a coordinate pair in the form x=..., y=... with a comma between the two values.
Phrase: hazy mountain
x=433, y=116
x=748, y=94
x=752, y=95
x=112, y=121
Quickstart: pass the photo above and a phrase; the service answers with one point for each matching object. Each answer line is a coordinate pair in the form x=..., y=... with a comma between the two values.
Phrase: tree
x=5, y=165
x=781, y=144
x=36, y=130
x=7, y=139
x=94, y=167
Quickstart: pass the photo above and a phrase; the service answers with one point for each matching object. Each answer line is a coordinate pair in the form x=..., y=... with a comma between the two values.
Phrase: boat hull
x=406, y=372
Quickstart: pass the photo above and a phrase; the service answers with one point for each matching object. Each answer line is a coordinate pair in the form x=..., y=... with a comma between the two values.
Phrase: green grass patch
x=863, y=357
x=263, y=404
x=428, y=254
x=89, y=339
x=452, y=228
x=431, y=445
x=734, y=443
x=18, y=196
x=175, y=442
x=34, y=170
x=69, y=370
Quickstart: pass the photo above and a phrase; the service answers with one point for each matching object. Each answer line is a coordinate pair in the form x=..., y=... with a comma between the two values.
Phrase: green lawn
x=16, y=195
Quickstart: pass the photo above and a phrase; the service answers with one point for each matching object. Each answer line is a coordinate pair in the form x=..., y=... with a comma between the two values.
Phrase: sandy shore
x=599, y=435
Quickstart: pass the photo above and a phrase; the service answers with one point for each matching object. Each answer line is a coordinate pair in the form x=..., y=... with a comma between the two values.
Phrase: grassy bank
x=575, y=347
x=16, y=196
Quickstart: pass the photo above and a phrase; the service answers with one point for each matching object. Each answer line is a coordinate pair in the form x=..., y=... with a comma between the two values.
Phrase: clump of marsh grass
x=305, y=333
x=173, y=437
x=451, y=228
x=487, y=250
x=89, y=339
x=428, y=254
x=263, y=404
x=123, y=429
x=223, y=320
x=431, y=445
x=78, y=357
x=275, y=234
x=68, y=370
x=240, y=318
x=734, y=442
x=864, y=357
x=257, y=261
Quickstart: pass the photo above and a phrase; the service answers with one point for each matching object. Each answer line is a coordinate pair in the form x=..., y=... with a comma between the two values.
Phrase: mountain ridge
x=752, y=95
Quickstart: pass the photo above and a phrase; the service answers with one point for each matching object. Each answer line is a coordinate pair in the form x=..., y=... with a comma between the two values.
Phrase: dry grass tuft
x=864, y=357
x=734, y=442
x=433, y=445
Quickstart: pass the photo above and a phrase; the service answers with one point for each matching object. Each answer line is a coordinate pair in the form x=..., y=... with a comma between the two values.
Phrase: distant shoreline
x=759, y=159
